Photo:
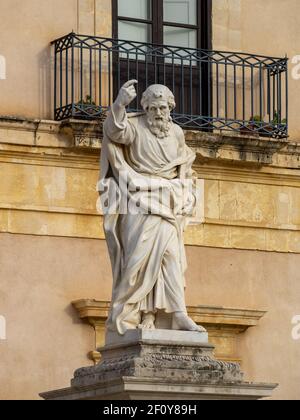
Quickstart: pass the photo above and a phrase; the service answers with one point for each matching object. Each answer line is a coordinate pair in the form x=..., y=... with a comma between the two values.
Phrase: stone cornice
x=236, y=173
x=223, y=325
x=32, y=125
x=91, y=308
x=49, y=156
x=76, y=143
x=224, y=147
x=241, y=319
x=234, y=147
x=87, y=158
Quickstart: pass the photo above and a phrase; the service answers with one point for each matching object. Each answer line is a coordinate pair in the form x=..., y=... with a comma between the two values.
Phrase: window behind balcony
x=158, y=34
x=183, y=23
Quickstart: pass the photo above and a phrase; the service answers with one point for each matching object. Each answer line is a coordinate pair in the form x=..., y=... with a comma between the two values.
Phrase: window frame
x=203, y=27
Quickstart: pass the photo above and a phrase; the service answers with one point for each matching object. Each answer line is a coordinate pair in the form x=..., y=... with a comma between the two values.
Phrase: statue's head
x=158, y=102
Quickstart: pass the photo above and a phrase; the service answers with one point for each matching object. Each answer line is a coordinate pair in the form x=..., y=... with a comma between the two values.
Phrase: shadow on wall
x=46, y=64
x=73, y=314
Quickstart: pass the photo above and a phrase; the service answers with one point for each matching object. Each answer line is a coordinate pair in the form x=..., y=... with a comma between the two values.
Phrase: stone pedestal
x=160, y=365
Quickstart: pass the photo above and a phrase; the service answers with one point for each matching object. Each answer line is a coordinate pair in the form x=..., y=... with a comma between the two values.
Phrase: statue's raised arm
x=126, y=95
x=117, y=127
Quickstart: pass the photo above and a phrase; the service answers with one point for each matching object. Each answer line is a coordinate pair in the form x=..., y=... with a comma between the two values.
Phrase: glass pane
x=180, y=11
x=180, y=37
x=137, y=32
x=138, y=9
x=133, y=31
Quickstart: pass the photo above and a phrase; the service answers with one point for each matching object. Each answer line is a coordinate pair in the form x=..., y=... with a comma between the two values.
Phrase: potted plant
x=257, y=126
x=274, y=127
x=88, y=101
x=252, y=128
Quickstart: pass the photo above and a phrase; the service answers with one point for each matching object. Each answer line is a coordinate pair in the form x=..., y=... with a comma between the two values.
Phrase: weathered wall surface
x=46, y=342
x=260, y=280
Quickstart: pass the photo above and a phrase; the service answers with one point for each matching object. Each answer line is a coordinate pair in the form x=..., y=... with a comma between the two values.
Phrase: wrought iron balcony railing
x=214, y=90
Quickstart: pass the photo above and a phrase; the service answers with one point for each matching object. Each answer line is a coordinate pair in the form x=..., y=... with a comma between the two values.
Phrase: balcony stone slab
x=222, y=147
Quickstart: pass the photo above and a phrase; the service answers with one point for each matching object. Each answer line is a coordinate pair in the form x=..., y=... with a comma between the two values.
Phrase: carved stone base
x=160, y=365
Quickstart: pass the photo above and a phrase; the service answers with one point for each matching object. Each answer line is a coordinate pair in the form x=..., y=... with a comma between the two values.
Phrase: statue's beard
x=160, y=128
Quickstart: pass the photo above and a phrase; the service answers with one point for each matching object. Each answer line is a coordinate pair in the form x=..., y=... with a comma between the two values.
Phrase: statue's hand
x=127, y=93
x=189, y=206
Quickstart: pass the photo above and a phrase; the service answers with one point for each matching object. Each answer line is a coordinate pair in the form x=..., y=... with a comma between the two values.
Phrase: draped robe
x=146, y=248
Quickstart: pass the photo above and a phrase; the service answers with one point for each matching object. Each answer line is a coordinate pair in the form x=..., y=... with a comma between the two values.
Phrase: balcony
x=237, y=92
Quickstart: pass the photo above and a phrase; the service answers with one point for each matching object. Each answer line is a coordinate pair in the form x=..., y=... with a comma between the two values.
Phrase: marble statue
x=145, y=159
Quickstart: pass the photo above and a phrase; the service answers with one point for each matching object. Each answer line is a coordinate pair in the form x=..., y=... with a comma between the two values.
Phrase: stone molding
x=222, y=147
x=234, y=147
x=58, y=153
x=223, y=324
x=139, y=388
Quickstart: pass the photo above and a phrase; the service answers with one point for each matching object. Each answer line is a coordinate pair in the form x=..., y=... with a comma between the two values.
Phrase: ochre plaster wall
x=27, y=28
x=46, y=341
x=255, y=280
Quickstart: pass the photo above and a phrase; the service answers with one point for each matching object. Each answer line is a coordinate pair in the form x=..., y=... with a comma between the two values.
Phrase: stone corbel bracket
x=223, y=325
x=85, y=134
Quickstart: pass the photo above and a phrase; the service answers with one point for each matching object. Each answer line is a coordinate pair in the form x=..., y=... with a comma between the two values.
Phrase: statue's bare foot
x=148, y=322
x=181, y=321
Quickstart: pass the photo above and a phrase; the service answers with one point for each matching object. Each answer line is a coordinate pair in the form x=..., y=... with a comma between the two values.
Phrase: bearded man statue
x=145, y=159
